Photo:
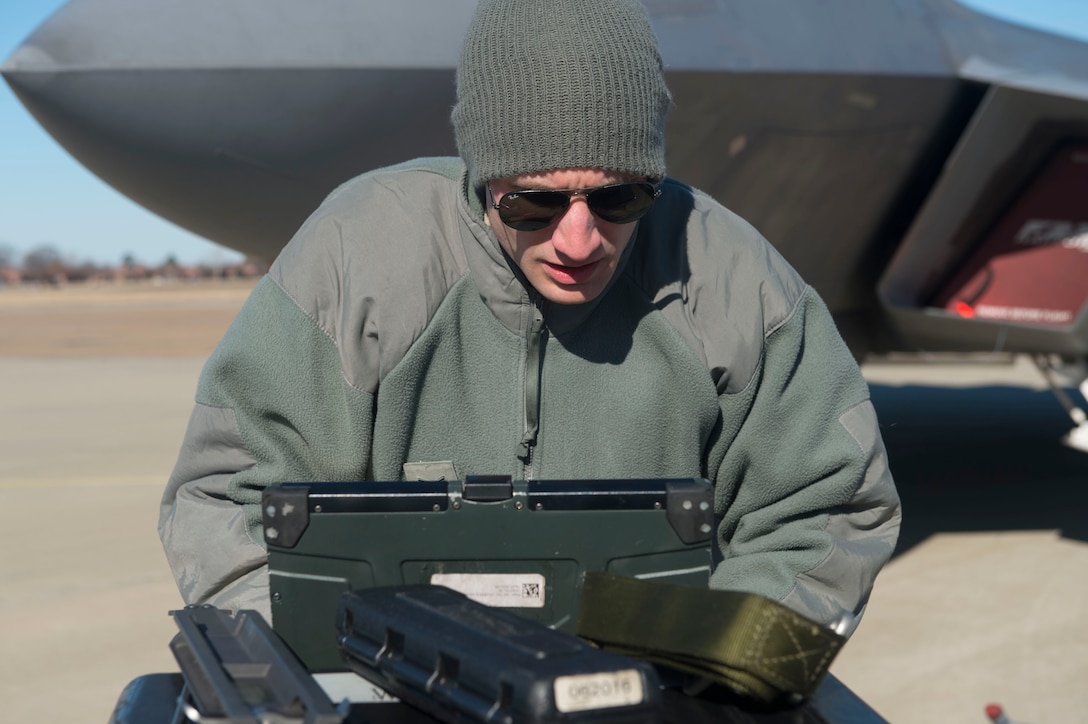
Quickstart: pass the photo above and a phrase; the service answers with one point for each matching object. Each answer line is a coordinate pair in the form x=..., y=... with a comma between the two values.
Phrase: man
x=548, y=306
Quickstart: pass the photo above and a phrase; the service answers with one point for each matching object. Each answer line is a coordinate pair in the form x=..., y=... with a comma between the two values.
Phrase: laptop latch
x=488, y=488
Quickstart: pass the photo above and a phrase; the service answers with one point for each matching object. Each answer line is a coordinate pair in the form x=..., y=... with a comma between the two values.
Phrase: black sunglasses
x=535, y=209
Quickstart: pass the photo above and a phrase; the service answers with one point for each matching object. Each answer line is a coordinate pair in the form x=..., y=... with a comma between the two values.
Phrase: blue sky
x=46, y=197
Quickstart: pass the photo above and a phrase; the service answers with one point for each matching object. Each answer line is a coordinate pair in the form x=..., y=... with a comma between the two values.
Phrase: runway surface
x=986, y=599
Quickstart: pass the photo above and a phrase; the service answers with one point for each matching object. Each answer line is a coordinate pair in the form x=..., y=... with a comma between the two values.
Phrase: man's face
x=572, y=259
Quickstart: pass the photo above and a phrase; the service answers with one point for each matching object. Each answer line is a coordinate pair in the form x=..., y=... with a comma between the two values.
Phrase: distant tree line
x=44, y=264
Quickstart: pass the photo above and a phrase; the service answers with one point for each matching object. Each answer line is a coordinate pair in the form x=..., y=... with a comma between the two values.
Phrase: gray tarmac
x=985, y=601
x=86, y=446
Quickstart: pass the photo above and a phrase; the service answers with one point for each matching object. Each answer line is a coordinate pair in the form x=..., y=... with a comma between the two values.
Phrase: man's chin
x=571, y=295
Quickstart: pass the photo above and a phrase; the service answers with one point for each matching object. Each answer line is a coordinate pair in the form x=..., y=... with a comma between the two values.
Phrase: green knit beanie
x=551, y=84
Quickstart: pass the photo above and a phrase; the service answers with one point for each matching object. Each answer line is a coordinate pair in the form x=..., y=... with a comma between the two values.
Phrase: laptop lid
x=520, y=545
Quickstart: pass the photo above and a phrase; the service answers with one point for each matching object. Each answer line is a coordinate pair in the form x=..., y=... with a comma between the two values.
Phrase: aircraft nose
x=235, y=118
x=109, y=81
x=97, y=35
x=31, y=65
x=27, y=67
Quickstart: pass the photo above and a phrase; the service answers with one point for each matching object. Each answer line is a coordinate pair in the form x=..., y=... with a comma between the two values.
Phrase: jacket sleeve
x=807, y=507
x=272, y=405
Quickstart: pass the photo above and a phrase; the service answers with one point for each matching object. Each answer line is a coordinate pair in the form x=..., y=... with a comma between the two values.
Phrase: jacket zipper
x=531, y=403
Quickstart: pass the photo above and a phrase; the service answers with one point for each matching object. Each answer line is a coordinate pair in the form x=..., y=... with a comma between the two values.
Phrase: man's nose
x=576, y=238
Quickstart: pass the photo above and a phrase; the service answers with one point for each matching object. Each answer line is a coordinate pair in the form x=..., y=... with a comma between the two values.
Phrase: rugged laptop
x=524, y=546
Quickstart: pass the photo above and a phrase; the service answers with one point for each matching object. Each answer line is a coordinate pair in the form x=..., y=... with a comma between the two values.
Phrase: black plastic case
x=461, y=661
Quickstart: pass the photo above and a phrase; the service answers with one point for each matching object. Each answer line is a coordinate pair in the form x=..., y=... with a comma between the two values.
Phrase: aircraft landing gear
x=1061, y=374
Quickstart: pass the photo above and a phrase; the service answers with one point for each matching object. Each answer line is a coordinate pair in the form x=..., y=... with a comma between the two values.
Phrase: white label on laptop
x=500, y=590
x=598, y=691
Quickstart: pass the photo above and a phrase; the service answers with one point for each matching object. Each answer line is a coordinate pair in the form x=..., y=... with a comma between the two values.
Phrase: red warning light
x=965, y=310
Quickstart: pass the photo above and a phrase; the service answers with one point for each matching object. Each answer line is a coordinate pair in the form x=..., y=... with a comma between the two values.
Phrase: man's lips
x=563, y=274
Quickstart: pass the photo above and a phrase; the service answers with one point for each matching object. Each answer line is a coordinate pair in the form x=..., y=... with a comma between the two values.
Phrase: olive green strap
x=755, y=646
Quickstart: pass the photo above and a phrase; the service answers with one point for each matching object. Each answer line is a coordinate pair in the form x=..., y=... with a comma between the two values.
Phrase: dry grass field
x=129, y=319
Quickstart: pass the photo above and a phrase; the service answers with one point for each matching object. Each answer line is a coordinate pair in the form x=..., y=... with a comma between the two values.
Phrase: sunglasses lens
x=535, y=209
x=531, y=210
x=622, y=203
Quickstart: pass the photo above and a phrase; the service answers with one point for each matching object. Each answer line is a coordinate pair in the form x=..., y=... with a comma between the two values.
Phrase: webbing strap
x=755, y=646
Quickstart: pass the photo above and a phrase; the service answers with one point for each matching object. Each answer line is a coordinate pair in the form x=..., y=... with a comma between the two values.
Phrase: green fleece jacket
x=393, y=332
